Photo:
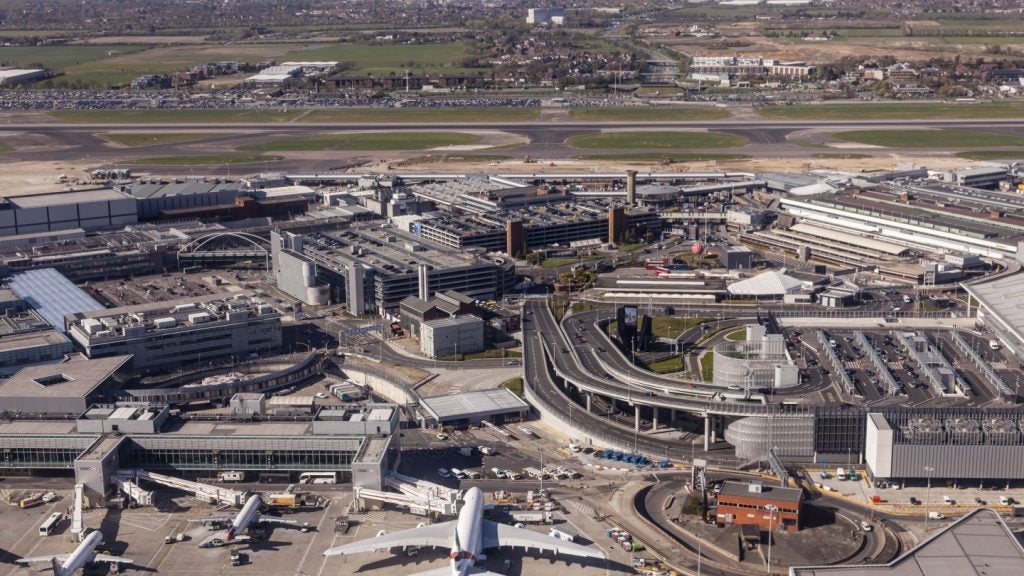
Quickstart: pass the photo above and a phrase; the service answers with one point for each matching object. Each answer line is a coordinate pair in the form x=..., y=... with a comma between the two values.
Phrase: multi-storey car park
x=373, y=268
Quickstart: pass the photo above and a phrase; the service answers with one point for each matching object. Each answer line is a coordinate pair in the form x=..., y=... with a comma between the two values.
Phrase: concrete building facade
x=452, y=336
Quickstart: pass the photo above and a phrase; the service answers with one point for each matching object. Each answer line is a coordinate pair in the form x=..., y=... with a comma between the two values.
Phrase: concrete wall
x=878, y=448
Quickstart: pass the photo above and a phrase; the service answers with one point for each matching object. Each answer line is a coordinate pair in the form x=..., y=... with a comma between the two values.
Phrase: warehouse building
x=758, y=504
x=497, y=405
x=13, y=76
x=179, y=332
x=67, y=387
x=89, y=209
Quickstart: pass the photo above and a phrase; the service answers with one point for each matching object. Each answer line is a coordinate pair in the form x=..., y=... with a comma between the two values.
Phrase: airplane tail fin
x=55, y=564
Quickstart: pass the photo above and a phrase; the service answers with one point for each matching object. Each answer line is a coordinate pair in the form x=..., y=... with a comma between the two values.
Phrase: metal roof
x=979, y=543
x=52, y=295
x=769, y=283
x=1003, y=298
x=851, y=239
x=474, y=404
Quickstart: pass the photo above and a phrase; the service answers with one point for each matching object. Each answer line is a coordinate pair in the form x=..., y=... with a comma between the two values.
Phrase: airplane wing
x=112, y=559
x=498, y=535
x=213, y=519
x=34, y=559
x=274, y=520
x=436, y=535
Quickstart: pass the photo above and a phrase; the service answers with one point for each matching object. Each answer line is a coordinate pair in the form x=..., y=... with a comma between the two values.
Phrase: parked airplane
x=68, y=564
x=468, y=536
x=240, y=523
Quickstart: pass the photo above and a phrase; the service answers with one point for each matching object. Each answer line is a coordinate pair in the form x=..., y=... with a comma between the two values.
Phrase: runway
x=564, y=127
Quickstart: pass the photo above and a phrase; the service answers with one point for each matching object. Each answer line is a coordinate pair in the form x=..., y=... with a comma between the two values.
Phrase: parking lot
x=913, y=385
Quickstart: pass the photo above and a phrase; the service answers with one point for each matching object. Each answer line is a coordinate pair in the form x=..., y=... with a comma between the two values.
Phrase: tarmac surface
x=139, y=534
x=57, y=141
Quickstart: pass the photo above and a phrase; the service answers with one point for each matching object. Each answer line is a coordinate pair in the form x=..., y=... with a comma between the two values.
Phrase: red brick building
x=742, y=503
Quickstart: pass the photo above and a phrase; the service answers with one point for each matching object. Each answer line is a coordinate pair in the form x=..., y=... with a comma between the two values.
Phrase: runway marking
x=309, y=546
x=323, y=563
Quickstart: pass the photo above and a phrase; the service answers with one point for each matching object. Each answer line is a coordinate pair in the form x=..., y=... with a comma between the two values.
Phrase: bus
x=318, y=478
x=51, y=524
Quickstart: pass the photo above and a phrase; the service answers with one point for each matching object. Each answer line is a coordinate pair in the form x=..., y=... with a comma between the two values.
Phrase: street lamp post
x=771, y=508
x=927, y=493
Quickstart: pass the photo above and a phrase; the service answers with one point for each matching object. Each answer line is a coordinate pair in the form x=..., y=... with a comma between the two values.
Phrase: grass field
x=174, y=116
x=367, y=141
x=670, y=157
x=60, y=58
x=136, y=139
x=211, y=160
x=991, y=154
x=382, y=59
x=673, y=326
x=647, y=114
x=737, y=335
x=422, y=115
x=674, y=139
x=667, y=365
x=950, y=138
x=894, y=111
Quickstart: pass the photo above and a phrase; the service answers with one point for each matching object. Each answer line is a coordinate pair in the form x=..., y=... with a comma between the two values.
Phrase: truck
x=936, y=516
x=534, y=473
x=31, y=501
x=486, y=450
x=531, y=516
x=231, y=476
x=284, y=499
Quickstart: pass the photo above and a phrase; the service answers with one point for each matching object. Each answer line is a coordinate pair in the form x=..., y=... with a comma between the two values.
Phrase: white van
x=1004, y=500
x=907, y=299
x=994, y=344
x=947, y=500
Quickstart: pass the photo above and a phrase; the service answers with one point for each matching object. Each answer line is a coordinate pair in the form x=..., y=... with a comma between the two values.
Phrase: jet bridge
x=419, y=496
x=77, y=517
x=205, y=492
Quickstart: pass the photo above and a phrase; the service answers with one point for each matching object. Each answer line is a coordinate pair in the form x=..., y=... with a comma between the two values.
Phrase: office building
x=372, y=268
x=758, y=504
x=174, y=333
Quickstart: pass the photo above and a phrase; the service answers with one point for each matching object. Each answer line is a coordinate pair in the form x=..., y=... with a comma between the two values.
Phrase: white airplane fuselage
x=468, y=543
x=245, y=516
x=82, y=555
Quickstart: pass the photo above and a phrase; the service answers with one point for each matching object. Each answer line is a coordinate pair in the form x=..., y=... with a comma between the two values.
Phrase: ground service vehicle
x=50, y=524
